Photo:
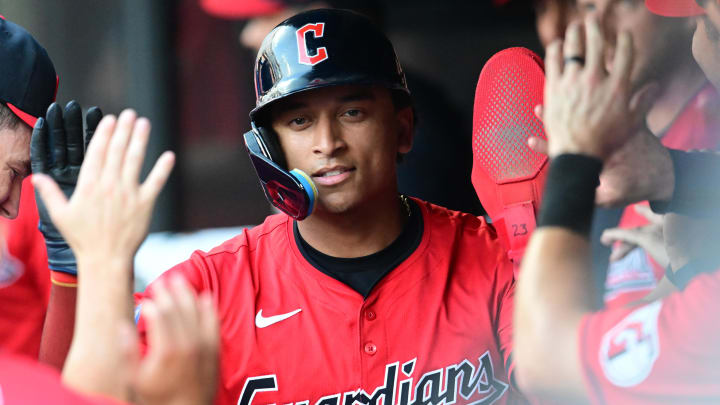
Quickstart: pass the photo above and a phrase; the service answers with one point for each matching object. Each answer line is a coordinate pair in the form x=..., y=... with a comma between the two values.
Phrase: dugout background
x=187, y=72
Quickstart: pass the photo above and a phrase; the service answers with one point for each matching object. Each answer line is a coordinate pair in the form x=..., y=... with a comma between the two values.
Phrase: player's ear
x=405, y=122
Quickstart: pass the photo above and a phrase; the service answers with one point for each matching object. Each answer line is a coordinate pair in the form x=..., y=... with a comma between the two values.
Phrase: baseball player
x=662, y=352
x=355, y=294
x=685, y=115
x=28, y=84
x=374, y=296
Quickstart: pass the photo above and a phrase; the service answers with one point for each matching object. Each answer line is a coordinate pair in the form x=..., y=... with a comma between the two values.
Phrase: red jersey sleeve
x=665, y=352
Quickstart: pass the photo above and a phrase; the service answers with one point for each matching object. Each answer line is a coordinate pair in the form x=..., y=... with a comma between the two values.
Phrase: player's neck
x=359, y=232
x=675, y=91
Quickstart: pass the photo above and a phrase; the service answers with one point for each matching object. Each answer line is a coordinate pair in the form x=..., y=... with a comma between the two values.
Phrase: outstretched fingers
x=118, y=146
x=158, y=176
x=92, y=119
x=74, y=133
x=95, y=157
x=39, y=152
x=136, y=152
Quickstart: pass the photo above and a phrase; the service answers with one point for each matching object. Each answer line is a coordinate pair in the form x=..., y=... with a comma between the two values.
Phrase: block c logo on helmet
x=317, y=29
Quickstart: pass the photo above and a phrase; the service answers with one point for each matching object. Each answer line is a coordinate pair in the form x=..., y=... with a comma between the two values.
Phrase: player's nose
x=327, y=138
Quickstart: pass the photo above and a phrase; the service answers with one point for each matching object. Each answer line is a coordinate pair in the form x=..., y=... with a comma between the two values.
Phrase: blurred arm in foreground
x=611, y=356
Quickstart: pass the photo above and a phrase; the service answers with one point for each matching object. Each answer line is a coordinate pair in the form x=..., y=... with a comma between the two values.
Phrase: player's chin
x=337, y=201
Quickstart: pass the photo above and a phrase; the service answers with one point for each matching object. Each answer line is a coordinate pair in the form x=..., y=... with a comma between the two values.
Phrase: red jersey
x=24, y=382
x=696, y=127
x=665, y=352
x=24, y=279
x=436, y=328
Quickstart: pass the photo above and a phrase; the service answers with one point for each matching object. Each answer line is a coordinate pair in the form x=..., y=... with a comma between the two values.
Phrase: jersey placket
x=373, y=344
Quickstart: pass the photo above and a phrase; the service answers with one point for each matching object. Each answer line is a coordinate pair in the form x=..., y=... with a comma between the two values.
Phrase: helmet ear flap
x=272, y=144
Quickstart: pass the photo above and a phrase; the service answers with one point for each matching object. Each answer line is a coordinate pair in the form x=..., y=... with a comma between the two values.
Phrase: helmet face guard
x=507, y=175
x=313, y=49
x=291, y=192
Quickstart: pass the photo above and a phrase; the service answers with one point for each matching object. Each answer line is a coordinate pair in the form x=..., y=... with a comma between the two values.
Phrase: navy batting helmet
x=324, y=47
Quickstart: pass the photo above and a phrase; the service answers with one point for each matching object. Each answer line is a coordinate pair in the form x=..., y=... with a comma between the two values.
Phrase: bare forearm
x=94, y=364
x=554, y=291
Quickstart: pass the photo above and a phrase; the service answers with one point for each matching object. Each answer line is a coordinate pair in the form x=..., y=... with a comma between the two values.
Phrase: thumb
x=53, y=198
x=642, y=100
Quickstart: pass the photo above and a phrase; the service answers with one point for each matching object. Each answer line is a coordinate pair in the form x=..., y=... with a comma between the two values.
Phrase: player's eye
x=354, y=114
x=298, y=122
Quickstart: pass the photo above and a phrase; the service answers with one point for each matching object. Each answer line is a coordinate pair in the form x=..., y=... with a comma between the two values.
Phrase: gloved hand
x=57, y=149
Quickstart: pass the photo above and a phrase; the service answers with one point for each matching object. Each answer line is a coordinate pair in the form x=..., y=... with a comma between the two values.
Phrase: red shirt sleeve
x=665, y=352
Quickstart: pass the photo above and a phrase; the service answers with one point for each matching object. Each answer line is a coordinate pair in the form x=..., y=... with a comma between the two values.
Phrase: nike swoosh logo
x=263, y=322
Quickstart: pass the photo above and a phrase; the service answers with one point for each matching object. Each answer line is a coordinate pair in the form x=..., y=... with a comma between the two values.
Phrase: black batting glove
x=57, y=149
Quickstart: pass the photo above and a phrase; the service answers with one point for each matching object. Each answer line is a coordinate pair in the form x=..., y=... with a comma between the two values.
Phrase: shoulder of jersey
x=458, y=218
x=251, y=235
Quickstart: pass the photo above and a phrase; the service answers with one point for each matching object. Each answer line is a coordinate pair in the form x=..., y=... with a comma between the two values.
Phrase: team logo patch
x=317, y=30
x=629, y=350
x=10, y=269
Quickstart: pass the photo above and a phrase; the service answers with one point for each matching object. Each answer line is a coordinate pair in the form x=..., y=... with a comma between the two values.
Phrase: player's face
x=14, y=167
x=657, y=40
x=706, y=42
x=347, y=139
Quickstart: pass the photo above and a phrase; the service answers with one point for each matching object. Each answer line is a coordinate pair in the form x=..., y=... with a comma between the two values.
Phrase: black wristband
x=569, y=196
x=695, y=193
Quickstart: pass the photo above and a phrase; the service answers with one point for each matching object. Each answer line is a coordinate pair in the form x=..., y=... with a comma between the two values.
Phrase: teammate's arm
x=588, y=114
x=57, y=149
x=104, y=222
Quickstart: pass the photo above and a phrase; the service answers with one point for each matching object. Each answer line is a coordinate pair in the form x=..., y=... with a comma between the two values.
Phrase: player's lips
x=331, y=175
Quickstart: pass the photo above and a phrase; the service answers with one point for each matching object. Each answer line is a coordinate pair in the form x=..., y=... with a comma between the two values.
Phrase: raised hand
x=109, y=212
x=589, y=110
x=57, y=149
